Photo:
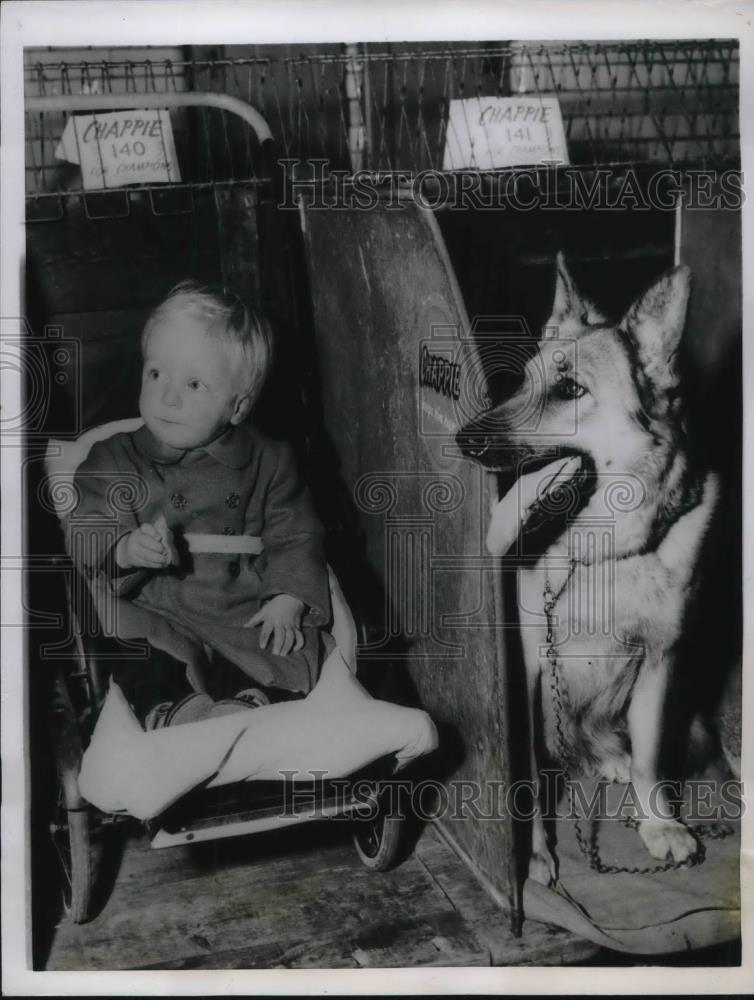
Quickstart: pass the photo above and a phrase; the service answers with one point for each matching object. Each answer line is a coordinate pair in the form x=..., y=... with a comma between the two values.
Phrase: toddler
x=219, y=616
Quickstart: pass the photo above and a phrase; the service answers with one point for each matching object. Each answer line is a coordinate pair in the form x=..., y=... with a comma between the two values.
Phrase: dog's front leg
x=543, y=867
x=663, y=836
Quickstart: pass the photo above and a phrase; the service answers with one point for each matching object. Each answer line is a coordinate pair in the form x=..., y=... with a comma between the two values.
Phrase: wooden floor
x=298, y=899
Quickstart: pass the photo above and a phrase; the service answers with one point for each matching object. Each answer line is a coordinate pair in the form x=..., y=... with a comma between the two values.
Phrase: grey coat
x=242, y=483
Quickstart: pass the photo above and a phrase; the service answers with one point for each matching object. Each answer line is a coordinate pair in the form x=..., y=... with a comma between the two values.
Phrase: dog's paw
x=617, y=769
x=666, y=839
x=543, y=868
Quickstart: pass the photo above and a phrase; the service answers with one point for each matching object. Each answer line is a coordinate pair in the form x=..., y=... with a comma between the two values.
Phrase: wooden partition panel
x=398, y=377
x=710, y=244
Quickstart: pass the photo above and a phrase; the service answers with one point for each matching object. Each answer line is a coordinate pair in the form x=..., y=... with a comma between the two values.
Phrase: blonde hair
x=227, y=318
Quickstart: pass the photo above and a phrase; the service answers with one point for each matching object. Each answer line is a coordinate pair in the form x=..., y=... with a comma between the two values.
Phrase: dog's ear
x=569, y=303
x=655, y=323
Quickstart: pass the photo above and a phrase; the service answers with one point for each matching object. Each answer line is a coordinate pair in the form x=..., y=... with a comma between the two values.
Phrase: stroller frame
x=79, y=688
x=204, y=814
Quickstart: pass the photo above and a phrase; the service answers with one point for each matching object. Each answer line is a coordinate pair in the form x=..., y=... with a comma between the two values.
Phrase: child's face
x=188, y=386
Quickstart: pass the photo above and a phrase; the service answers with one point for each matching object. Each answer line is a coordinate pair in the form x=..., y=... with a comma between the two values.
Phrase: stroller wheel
x=71, y=839
x=71, y=821
x=378, y=840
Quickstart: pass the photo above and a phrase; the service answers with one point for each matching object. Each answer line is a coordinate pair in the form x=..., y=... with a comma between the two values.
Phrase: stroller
x=254, y=770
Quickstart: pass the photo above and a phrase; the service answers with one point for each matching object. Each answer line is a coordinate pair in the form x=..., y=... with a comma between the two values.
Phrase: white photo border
x=154, y=22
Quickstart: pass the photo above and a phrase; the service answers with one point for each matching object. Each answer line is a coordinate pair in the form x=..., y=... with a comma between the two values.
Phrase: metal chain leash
x=588, y=844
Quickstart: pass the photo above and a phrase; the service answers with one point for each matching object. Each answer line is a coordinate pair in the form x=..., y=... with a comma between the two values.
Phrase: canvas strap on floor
x=656, y=914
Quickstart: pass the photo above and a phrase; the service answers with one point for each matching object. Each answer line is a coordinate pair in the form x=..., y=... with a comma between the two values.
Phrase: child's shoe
x=192, y=708
x=155, y=718
x=248, y=698
x=252, y=697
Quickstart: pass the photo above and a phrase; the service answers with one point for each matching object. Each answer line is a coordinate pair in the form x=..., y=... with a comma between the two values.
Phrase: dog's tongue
x=510, y=514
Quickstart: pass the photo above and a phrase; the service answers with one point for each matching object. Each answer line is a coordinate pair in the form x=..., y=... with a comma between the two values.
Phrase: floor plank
x=298, y=899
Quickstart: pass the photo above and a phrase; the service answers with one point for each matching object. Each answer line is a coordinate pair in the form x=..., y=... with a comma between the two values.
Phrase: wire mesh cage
x=650, y=103
x=212, y=145
x=623, y=103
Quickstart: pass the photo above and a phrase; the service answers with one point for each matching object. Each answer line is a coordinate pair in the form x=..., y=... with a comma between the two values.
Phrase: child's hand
x=144, y=548
x=281, y=618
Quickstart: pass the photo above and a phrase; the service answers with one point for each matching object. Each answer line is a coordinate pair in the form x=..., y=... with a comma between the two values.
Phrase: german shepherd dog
x=618, y=572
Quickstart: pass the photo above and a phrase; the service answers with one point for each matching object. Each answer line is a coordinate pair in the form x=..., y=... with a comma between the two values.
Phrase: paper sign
x=488, y=133
x=122, y=147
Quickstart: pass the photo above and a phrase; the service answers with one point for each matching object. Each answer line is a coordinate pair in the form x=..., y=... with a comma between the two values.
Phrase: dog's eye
x=567, y=388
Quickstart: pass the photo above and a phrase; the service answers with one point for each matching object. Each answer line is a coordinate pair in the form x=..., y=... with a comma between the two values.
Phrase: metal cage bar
x=385, y=109
x=111, y=102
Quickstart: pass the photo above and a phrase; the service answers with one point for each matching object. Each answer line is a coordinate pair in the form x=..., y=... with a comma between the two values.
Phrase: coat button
x=178, y=500
x=227, y=530
x=232, y=500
